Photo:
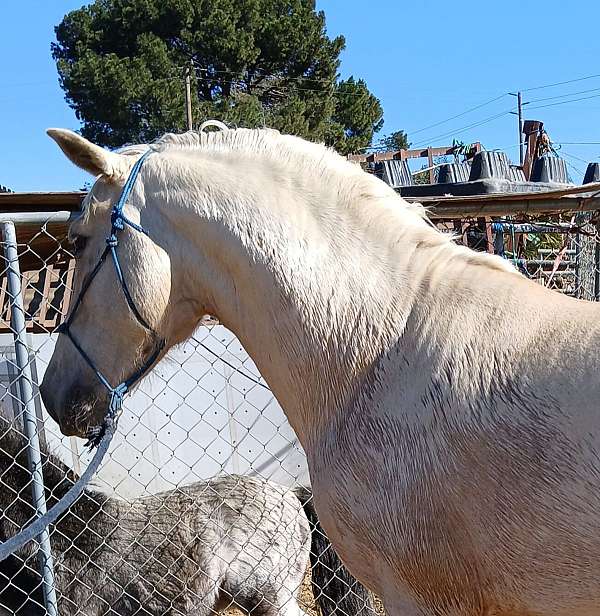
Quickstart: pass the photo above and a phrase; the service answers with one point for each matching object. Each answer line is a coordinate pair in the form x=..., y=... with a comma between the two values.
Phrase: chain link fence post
x=30, y=422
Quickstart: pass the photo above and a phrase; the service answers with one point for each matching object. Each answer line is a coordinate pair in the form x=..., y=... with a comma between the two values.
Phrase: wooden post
x=519, y=115
x=430, y=165
x=520, y=107
x=531, y=128
x=188, y=95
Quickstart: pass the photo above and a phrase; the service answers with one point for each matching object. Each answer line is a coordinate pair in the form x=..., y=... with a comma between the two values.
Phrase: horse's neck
x=313, y=293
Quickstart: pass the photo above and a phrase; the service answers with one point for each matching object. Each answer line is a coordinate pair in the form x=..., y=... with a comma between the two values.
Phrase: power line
x=286, y=77
x=464, y=128
x=488, y=102
x=505, y=147
x=574, y=168
x=572, y=100
x=559, y=83
x=290, y=88
x=459, y=115
x=180, y=77
x=550, y=85
x=581, y=160
x=550, y=98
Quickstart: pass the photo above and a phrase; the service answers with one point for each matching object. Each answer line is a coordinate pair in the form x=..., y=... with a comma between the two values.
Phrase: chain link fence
x=203, y=503
x=559, y=251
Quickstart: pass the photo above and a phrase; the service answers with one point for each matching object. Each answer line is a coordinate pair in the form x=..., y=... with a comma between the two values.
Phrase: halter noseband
x=118, y=222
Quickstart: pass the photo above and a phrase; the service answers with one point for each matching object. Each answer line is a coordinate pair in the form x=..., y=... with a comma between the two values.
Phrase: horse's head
x=254, y=227
x=116, y=334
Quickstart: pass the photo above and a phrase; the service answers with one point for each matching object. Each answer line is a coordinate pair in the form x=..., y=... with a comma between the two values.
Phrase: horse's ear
x=84, y=153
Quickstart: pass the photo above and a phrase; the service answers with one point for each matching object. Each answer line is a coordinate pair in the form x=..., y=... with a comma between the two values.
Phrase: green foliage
x=537, y=241
x=397, y=140
x=422, y=177
x=253, y=63
x=466, y=150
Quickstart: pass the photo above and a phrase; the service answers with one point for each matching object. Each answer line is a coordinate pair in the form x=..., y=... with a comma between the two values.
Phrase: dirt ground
x=307, y=602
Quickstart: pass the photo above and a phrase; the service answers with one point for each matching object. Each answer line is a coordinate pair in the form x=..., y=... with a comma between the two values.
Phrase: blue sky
x=426, y=60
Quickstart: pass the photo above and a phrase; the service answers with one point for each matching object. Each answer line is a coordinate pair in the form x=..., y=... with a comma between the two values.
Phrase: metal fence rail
x=200, y=506
x=30, y=424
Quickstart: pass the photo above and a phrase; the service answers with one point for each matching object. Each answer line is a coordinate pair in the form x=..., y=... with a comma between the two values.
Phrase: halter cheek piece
x=118, y=222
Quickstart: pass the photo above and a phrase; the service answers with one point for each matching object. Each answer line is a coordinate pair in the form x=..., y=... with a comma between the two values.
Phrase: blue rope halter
x=99, y=437
x=118, y=222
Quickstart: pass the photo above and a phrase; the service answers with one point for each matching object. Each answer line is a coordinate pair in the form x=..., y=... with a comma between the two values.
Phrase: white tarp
x=193, y=418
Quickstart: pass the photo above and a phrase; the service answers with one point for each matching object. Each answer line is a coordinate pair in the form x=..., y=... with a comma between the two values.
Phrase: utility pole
x=519, y=113
x=520, y=116
x=188, y=95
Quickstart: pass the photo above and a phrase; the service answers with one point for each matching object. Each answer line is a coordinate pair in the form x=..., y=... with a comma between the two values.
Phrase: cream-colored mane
x=371, y=198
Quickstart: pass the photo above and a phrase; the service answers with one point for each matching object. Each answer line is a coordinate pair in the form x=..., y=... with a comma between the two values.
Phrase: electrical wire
x=581, y=160
x=577, y=142
x=217, y=81
x=549, y=98
x=459, y=115
x=573, y=100
x=560, y=83
x=464, y=128
x=550, y=85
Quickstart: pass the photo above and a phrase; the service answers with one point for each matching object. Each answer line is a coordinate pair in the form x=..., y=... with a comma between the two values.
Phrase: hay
x=307, y=601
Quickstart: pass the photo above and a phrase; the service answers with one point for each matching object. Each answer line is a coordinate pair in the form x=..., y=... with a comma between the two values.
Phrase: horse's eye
x=78, y=242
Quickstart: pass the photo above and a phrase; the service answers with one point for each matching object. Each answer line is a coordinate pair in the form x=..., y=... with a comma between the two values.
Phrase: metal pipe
x=561, y=273
x=553, y=251
x=30, y=423
x=39, y=218
x=505, y=227
x=597, y=265
x=542, y=262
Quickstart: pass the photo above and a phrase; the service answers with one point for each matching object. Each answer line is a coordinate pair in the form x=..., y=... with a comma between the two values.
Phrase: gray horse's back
x=254, y=541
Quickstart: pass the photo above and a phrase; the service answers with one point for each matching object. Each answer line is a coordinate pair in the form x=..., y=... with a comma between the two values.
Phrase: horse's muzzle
x=75, y=410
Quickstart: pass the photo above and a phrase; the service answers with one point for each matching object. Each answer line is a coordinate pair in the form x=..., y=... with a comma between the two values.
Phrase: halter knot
x=116, y=219
x=116, y=399
x=112, y=241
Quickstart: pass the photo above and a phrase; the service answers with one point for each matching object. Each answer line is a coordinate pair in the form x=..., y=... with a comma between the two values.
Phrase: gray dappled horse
x=191, y=551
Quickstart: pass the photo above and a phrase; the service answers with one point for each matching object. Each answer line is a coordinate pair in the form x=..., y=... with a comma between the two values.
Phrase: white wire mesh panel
x=202, y=504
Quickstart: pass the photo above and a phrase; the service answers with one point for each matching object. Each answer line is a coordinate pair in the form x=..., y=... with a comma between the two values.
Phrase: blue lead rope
x=100, y=436
x=35, y=528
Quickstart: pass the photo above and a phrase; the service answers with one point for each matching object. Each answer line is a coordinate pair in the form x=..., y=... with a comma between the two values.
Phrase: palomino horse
x=446, y=403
